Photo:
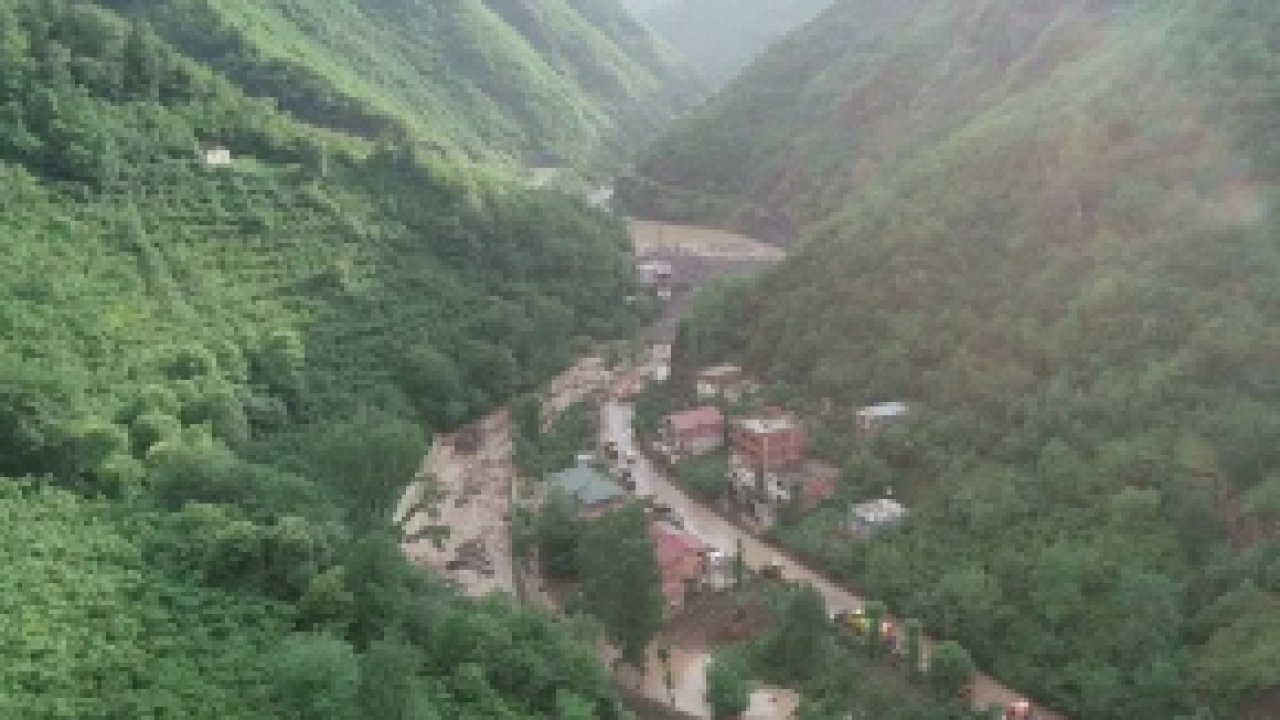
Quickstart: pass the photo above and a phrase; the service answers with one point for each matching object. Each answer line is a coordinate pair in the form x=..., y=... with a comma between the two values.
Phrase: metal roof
x=889, y=409
x=586, y=485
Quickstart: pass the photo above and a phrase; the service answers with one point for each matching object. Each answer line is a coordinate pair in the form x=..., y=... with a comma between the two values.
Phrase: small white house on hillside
x=215, y=155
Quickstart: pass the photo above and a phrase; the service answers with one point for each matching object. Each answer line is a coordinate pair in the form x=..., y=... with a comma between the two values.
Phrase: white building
x=874, y=516
x=216, y=155
x=660, y=372
x=872, y=419
x=725, y=381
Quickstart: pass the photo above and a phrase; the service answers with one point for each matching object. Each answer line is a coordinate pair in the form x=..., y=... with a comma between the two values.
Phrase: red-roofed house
x=817, y=483
x=682, y=562
x=694, y=432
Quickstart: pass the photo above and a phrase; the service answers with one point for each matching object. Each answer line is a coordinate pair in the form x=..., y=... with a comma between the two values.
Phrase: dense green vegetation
x=729, y=684
x=706, y=476
x=546, y=83
x=620, y=581
x=214, y=384
x=838, y=673
x=721, y=37
x=610, y=565
x=1062, y=249
x=539, y=452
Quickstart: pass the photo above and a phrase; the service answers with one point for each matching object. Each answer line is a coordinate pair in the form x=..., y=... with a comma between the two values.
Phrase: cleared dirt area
x=659, y=238
x=471, y=475
x=722, y=618
x=471, y=471
x=698, y=257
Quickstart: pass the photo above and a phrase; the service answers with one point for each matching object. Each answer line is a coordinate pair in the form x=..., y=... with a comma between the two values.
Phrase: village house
x=872, y=419
x=215, y=155
x=769, y=467
x=694, y=432
x=722, y=381
x=682, y=562
x=592, y=492
x=866, y=519
x=803, y=488
x=771, y=440
x=657, y=275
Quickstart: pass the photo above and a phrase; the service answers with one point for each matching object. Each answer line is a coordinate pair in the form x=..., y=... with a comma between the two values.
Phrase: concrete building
x=768, y=494
x=866, y=519
x=694, y=432
x=769, y=441
x=769, y=468
x=872, y=419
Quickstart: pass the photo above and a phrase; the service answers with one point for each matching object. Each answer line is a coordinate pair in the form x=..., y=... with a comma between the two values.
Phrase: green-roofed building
x=591, y=490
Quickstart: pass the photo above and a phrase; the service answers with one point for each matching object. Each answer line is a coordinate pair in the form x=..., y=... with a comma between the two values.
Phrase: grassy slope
x=535, y=82
x=1067, y=259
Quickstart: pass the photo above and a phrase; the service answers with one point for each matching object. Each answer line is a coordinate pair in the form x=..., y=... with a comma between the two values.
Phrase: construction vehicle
x=854, y=621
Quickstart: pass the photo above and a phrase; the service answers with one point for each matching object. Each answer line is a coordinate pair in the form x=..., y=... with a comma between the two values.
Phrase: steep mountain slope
x=721, y=37
x=546, y=82
x=217, y=376
x=849, y=95
x=1052, y=227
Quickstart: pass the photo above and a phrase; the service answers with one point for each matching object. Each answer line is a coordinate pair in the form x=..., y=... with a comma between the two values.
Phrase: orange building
x=770, y=441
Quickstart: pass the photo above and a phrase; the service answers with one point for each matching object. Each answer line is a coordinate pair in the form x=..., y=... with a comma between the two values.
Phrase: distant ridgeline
x=221, y=334
x=1052, y=226
x=722, y=37
x=547, y=83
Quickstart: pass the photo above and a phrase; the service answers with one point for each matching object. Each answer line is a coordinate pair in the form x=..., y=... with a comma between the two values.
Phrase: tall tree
x=797, y=646
x=315, y=676
x=367, y=463
x=620, y=581
x=728, y=684
x=559, y=535
x=951, y=669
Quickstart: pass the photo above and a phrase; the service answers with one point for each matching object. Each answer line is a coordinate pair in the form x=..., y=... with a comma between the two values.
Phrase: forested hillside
x=849, y=96
x=719, y=38
x=216, y=380
x=1052, y=227
x=541, y=83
